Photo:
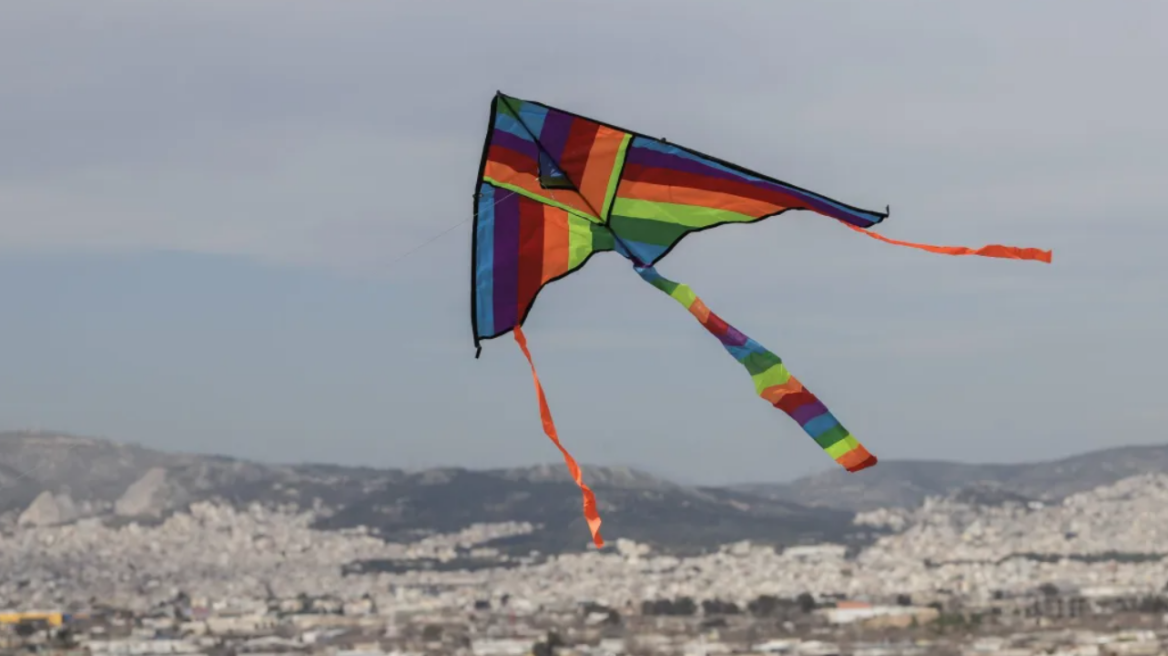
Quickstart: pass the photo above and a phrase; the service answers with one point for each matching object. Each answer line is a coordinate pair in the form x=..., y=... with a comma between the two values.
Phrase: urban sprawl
x=1084, y=575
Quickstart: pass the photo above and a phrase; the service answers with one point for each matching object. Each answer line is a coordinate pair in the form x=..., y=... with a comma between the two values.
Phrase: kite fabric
x=556, y=188
x=772, y=381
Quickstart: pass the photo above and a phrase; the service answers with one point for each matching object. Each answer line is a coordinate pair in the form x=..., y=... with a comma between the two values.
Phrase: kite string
x=444, y=232
x=549, y=428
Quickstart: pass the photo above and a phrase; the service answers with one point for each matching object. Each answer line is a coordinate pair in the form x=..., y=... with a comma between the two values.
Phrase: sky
x=244, y=228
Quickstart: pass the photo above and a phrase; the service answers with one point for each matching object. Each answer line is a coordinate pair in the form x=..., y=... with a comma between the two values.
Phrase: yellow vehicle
x=53, y=619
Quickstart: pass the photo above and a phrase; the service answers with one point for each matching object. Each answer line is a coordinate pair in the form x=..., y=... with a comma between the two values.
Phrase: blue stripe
x=740, y=353
x=509, y=125
x=640, y=250
x=820, y=424
x=748, y=349
x=533, y=117
x=485, y=260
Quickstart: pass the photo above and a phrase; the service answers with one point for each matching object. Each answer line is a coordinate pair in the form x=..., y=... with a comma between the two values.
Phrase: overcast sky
x=203, y=206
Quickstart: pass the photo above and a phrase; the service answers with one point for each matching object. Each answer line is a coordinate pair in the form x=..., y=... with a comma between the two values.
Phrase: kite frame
x=880, y=216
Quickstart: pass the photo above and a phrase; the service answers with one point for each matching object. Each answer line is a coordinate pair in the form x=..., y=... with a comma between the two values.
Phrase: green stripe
x=615, y=175
x=690, y=216
x=543, y=199
x=843, y=446
x=684, y=295
x=581, y=241
x=832, y=436
x=665, y=285
x=602, y=238
x=646, y=231
x=776, y=375
x=759, y=361
x=506, y=104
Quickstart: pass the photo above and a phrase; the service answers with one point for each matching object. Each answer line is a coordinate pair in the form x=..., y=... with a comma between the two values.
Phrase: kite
x=555, y=188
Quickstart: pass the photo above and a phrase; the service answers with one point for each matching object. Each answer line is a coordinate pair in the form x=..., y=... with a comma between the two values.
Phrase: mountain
x=50, y=478
x=906, y=483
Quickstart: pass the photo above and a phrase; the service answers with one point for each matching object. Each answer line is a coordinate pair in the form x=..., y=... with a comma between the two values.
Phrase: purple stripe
x=654, y=159
x=732, y=337
x=512, y=142
x=506, y=262
x=554, y=135
x=807, y=411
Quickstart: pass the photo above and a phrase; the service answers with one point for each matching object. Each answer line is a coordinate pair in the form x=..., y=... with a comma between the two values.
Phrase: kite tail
x=993, y=250
x=772, y=381
x=549, y=428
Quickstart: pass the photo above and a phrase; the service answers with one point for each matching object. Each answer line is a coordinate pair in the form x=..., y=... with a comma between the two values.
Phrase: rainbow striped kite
x=556, y=188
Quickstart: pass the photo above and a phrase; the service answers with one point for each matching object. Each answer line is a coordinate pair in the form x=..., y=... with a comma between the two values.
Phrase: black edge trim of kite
x=535, y=296
x=500, y=96
x=474, y=235
x=680, y=239
x=717, y=160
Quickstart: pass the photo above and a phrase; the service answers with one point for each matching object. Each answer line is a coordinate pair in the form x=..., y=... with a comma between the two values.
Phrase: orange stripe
x=700, y=197
x=699, y=310
x=529, y=182
x=549, y=428
x=856, y=459
x=993, y=250
x=775, y=393
x=598, y=168
x=555, y=243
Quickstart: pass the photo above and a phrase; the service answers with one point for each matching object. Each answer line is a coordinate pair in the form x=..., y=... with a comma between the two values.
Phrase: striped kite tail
x=772, y=381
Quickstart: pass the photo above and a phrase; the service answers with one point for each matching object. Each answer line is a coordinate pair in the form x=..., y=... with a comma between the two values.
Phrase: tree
x=903, y=600
x=65, y=637
x=763, y=605
x=431, y=633
x=806, y=602
x=719, y=607
x=1049, y=589
x=547, y=647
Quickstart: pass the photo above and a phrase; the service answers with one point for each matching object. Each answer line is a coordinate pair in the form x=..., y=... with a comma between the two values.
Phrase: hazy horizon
x=203, y=207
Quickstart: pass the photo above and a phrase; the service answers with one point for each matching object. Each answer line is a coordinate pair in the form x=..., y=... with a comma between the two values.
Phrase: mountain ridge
x=49, y=477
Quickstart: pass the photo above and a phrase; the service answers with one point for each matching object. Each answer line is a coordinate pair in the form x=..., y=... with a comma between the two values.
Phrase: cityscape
x=961, y=574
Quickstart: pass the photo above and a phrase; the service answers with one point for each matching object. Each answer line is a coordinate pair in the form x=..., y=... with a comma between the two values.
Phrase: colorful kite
x=556, y=188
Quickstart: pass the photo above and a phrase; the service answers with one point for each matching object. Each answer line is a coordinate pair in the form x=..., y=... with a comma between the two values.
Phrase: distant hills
x=906, y=483
x=48, y=478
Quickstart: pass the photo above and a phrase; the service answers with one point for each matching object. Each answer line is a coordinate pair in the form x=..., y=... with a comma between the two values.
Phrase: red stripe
x=518, y=161
x=531, y=226
x=581, y=136
x=792, y=402
x=716, y=325
x=671, y=177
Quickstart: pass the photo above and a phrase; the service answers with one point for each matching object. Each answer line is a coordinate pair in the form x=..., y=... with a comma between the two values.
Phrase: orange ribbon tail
x=549, y=428
x=993, y=250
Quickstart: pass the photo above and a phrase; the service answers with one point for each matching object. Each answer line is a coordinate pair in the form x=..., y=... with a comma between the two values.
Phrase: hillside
x=48, y=478
x=906, y=483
